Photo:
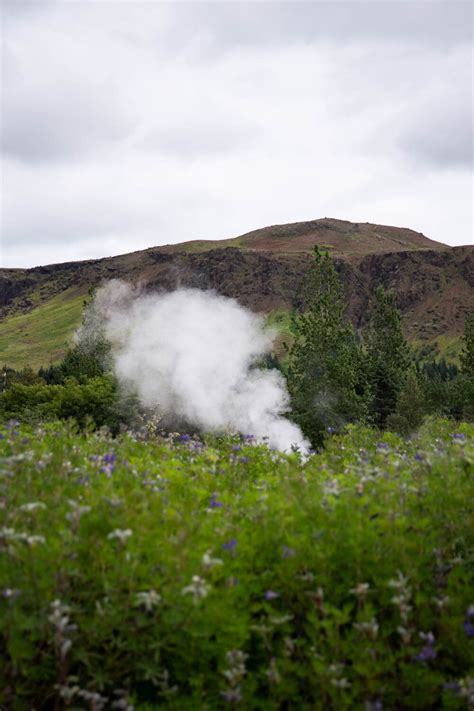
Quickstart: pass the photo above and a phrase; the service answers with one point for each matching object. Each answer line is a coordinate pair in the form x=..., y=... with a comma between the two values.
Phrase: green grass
x=42, y=335
x=185, y=575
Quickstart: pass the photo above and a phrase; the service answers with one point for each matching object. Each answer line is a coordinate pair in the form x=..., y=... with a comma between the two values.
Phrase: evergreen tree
x=467, y=354
x=388, y=356
x=326, y=368
x=411, y=406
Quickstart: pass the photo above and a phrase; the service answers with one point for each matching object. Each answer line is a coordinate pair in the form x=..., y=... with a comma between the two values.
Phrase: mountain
x=264, y=270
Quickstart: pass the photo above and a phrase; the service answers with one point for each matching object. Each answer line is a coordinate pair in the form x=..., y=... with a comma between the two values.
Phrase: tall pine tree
x=326, y=370
x=388, y=357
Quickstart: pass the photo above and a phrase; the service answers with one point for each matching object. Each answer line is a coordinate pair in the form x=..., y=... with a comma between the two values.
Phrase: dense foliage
x=189, y=575
x=327, y=374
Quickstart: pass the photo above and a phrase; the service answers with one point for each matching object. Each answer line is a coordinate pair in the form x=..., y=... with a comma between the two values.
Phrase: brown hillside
x=264, y=270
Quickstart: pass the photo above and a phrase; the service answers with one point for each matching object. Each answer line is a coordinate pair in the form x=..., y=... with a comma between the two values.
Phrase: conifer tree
x=467, y=354
x=388, y=357
x=326, y=369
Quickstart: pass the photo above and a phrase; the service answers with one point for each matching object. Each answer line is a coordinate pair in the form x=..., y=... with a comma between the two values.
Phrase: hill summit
x=264, y=269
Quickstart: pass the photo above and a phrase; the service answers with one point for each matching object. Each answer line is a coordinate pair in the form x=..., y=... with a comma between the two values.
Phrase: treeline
x=335, y=375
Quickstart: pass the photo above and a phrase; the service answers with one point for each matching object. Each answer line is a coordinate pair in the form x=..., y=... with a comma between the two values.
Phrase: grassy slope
x=41, y=335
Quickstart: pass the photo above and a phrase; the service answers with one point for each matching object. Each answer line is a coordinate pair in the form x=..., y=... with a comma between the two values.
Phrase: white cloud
x=126, y=126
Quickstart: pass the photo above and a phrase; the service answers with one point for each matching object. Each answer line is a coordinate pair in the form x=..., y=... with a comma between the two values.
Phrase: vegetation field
x=187, y=573
x=42, y=335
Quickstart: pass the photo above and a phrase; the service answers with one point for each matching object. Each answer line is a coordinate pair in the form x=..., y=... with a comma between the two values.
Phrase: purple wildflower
x=230, y=545
x=244, y=460
x=383, y=445
x=271, y=595
x=376, y=705
x=236, y=447
x=233, y=696
x=287, y=552
x=451, y=686
x=427, y=653
x=185, y=438
x=214, y=503
x=419, y=457
x=459, y=436
x=468, y=628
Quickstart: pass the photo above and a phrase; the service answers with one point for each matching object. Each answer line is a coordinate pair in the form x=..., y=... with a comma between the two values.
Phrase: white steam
x=191, y=353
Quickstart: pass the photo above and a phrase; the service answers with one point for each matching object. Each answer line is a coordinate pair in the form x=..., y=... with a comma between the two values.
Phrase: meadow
x=195, y=573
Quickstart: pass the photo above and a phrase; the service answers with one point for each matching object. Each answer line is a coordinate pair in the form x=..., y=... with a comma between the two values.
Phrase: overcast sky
x=131, y=124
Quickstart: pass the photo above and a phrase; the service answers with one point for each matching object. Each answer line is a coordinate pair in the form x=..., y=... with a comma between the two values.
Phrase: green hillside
x=41, y=335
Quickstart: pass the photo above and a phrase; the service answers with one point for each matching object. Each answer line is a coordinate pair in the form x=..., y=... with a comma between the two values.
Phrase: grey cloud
x=227, y=25
x=47, y=117
x=440, y=132
x=197, y=137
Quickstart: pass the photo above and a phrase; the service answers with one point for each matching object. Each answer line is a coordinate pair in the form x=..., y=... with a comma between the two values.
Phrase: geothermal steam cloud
x=191, y=353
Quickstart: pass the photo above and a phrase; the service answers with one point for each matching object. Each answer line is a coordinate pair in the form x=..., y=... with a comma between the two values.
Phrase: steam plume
x=192, y=353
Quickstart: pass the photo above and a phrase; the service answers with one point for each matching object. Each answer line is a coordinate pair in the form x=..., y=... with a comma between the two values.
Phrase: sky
x=126, y=125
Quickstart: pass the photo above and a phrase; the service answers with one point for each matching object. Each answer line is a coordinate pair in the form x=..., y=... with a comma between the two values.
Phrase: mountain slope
x=264, y=270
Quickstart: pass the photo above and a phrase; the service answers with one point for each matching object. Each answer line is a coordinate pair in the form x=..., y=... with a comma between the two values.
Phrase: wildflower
x=148, y=599
x=232, y=695
x=208, y=562
x=281, y=620
x=272, y=672
x=405, y=634
x=441, y=602
x=271, y=595
x=33, y=506
x=77, y=512
x=368, y=629
x=33, y=541
x=11, y=594
x=244, y=460
x=230, y=545
x=428, y=652
x=198, y=588
x=234, y=675
x=121, y=534
x=59, y=618
x=376, y=705
x=214, y=503
x=236, y=447
x=360, y=590
x=468, y=628
x=287, y=552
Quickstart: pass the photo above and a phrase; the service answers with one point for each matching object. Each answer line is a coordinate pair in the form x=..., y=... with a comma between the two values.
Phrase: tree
x=467, y=355
x=388, y=356
x=411, y=406
x=326, y=370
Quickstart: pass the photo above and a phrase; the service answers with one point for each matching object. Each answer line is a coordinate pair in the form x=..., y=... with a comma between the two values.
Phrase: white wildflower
x=208, y=562
x=121, y=534
x=199, y=589
x=32, y=506
x=33, y=541
x=360, y=590
x=368, y=629
x=148, y=599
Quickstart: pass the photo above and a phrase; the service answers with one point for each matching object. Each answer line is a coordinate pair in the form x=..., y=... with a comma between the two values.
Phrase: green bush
x=181, y=575
x=93, y=400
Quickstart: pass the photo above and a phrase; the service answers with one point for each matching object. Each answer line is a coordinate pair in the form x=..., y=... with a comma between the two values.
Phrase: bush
x=177, y=575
